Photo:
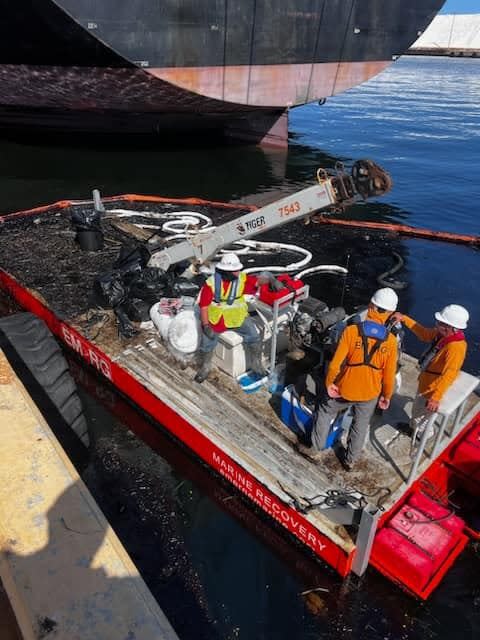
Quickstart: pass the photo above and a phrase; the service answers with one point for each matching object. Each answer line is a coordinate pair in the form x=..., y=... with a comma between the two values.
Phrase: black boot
x=205, y=366
x=254, y=354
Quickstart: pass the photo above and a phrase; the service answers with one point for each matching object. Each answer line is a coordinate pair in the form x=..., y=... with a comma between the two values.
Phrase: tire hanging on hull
x=28, y=343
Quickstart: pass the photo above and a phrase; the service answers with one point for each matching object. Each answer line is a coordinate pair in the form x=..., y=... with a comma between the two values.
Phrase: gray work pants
x=327, y=411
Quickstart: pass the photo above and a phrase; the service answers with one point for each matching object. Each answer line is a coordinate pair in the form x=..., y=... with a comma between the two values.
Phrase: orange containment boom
x=403, y=229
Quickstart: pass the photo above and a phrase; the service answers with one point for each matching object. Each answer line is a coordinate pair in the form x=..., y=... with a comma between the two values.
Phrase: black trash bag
x=133, y=287
x=137, y=310
x=149, y=284
x=184, y=287
x=179, y=268
x=125, y=327
x=109, y=290
x=131, y=259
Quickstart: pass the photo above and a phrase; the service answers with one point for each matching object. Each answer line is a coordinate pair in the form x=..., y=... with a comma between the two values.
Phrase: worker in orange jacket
x=439, y=364
x=361, y=374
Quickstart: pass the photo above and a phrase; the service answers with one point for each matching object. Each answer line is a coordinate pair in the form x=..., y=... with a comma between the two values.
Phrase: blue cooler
x=299, y=418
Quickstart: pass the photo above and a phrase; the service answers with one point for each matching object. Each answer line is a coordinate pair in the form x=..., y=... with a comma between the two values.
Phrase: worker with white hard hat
x=361, y=375
x=223, y=307
x=385, y=298
x=441, y=362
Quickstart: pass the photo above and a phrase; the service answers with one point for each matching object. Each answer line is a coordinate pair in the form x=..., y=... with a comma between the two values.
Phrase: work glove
x=208, y=331
x=267, y=277
x=275, y=285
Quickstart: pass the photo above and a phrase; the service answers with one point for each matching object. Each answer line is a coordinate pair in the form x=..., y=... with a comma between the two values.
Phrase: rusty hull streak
x=271, y=85
x=351, y=74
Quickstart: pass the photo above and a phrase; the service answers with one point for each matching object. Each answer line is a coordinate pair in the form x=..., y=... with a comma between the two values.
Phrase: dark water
x=217, y=571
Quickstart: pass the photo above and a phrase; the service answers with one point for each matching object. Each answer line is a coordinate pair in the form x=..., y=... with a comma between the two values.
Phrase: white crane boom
x=330, y=192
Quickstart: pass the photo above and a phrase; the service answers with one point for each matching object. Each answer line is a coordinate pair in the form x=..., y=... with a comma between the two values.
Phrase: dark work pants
x=328, y=410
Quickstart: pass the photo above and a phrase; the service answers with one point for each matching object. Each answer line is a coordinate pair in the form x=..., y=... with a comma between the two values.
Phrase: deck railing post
x=285, y=301
x=366, y=534
x=438, y=438
x=421, y=448
x=452, y=404
x=458, y=418
x=273, y=345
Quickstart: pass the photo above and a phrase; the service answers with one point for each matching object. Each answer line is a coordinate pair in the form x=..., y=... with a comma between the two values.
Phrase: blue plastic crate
x=299, y=418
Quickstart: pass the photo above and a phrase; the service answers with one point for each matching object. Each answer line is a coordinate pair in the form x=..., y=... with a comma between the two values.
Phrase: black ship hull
x=142, y=67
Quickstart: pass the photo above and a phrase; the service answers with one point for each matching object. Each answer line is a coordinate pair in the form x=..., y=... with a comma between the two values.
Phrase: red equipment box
x=465, y=457
x=269, y=297
x=418, y=544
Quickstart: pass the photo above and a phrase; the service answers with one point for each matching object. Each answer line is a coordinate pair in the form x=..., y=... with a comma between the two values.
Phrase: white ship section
x=451, y=32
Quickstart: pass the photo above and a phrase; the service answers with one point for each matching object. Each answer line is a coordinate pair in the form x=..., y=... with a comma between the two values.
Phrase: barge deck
x=240, y=436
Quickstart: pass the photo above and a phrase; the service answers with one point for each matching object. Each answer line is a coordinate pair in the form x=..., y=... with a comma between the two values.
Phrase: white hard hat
x=454, y=315
x=229, y=262
x=385, y=298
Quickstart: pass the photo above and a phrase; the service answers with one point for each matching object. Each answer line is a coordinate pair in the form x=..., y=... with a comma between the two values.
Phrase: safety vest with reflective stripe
x=234, y=311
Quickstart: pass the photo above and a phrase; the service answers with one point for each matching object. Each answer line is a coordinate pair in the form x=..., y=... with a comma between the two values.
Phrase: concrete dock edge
x=66, y=573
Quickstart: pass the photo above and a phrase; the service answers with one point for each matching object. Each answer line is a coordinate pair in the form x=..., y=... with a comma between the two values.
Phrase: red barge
x=392, y=512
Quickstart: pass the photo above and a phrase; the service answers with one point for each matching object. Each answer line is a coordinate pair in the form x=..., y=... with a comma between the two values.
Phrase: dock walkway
x=62, y=566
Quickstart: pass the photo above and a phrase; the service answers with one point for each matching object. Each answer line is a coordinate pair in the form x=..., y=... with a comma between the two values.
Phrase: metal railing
x=452, y=405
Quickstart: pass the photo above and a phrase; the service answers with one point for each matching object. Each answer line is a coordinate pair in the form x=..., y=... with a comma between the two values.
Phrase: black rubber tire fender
x=39, y=351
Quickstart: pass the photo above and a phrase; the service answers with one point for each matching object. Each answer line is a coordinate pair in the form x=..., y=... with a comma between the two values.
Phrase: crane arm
x=330, y=192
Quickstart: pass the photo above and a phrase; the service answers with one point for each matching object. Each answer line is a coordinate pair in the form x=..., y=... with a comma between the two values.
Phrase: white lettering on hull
x=278, y=511
x=86, y=352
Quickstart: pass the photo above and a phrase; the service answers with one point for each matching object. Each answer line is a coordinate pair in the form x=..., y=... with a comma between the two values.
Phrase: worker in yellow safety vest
x=223, y=307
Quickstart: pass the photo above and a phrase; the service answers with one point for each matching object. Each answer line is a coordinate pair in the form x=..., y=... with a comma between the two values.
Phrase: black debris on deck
x=41, y=252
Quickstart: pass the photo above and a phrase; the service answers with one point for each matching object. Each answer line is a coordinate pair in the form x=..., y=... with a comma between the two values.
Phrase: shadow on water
x=35, y=174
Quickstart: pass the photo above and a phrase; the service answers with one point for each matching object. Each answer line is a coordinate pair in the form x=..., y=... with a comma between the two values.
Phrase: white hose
x=321, y=268
x=130, y=213
x=177, y=221
x=125, y=213
x=262, y=246
x=178, y=227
